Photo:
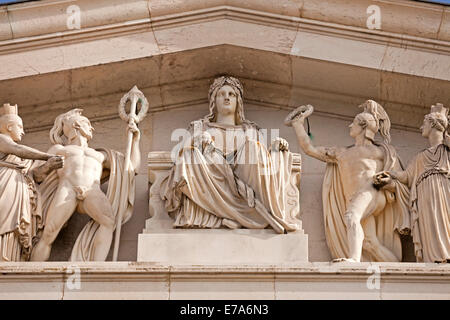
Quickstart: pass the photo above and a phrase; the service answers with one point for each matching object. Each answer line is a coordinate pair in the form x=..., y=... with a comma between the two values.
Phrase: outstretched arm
x=296, y=119
x=41, y=172
x=8, y=146
x=401, y=176
x=55, y=162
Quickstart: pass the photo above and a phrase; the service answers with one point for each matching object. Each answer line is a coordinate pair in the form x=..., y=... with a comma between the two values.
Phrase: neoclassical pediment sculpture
x=362, y=221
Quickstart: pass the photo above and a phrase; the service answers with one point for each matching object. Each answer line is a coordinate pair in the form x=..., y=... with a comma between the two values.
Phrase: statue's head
x=226, y=96
x=70, y=124
x=10, y=122
x=372, y=120
x=437, y=120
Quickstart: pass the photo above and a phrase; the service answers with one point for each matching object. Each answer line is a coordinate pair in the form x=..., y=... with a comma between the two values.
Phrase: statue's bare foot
x=442, y=261
x=302, y=111
x=344, y=260
x=231, y=224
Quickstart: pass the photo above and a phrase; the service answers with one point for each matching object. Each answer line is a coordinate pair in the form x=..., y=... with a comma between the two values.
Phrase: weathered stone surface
x=5, y=28
x=228, y=247
x=32, y=19
x=444, y=31
x=144, y=280
x=423, y=19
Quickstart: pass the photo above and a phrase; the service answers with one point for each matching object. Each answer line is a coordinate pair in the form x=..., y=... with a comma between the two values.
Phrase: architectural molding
x=142, y=280
x=176, y=20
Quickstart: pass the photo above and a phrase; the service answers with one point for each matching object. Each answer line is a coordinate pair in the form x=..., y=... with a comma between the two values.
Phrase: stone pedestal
x=222, y=247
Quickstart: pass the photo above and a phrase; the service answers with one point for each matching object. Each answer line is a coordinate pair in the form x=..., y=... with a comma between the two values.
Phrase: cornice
x=422, y=272
x=143, y=19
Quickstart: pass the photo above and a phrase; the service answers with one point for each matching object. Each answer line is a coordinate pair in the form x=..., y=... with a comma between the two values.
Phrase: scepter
x=135, y=96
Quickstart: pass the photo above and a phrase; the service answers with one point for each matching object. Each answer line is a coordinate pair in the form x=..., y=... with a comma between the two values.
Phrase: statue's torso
x=228, y=139
x=358, y=165
x=82, y=165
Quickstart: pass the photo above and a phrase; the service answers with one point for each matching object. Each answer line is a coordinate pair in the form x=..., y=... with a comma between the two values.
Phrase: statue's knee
x=351, y=220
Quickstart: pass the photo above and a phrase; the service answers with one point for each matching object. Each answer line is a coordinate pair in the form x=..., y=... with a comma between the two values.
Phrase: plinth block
x=216, y=247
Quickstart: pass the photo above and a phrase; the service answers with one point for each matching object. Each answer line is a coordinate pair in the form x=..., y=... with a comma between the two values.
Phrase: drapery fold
x=246, y=185
x=429, y=180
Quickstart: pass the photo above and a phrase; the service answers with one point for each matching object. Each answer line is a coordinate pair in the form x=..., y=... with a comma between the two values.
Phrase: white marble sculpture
x=428, y=176
x=20, y=210
x=224, y=176
x=76, y=187
x=361, y=221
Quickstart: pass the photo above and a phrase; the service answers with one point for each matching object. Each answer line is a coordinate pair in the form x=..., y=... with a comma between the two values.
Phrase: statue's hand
x=280, y=144
x=299, y=113
x=382, y=179
x=204, y=140
x=55, y=162
x=133, y=128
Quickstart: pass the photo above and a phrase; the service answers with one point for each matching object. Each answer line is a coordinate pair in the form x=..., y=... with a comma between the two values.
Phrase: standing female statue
x=428, y=176
x=20, y=207
x=225, y=176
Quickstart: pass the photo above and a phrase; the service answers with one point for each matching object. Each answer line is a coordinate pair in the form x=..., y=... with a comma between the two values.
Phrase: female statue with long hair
x=224, y=176
x=428, y=176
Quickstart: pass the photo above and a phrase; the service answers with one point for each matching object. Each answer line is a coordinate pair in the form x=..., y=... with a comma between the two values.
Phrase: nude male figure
x=358, y=165
x=79, y=184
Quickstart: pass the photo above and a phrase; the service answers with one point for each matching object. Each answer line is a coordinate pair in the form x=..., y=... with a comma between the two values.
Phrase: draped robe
x=429, y=179
x=235, y=178
x=20, y=211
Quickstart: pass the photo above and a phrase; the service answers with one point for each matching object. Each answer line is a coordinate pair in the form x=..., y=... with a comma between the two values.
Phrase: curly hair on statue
x=57, y=132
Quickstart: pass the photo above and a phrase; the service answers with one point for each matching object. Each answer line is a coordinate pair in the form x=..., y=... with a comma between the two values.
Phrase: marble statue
x=76, y=187
x=20, y=210
x=363, y=222
x=428, y=176
x=224, y=176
